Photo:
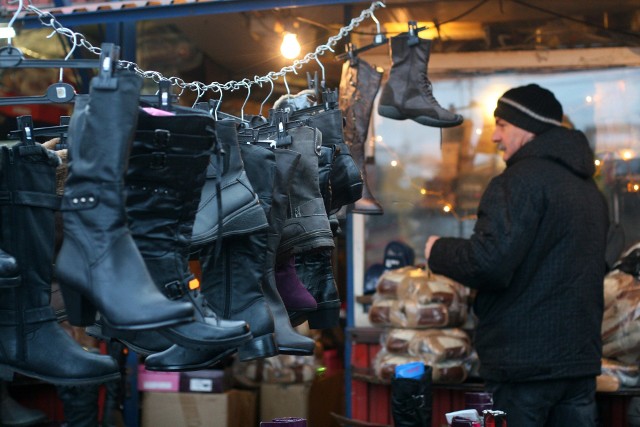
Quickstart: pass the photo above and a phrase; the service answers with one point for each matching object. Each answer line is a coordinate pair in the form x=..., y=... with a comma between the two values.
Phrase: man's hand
x=427, y=247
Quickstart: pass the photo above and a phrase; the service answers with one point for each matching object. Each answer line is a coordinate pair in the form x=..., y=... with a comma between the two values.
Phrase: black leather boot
x=359, y=85
x=164, y=181
x=239, y=211
x=408, y=94
x=289, y=341
x=306, y=227
x=99, y=265
x=31, y=340
x=411, y=400
x=345, y=178
x=231, y=281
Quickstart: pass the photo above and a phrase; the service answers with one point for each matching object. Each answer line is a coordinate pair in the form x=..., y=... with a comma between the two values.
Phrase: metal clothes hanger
x=378, y=39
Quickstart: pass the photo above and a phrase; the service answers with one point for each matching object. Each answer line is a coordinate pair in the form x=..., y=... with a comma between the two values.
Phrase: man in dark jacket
x=537, y=260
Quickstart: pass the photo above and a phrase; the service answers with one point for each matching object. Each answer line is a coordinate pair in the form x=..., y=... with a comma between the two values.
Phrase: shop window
x=429, y=181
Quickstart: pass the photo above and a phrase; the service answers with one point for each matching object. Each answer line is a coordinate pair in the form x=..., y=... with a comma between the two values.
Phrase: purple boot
x=294, y=294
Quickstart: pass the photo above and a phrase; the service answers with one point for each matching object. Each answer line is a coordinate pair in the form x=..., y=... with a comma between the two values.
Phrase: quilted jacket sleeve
x=508, y=217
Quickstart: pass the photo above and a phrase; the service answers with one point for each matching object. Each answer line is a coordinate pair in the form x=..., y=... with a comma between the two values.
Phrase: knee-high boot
x=359, y=85
x=31, y=340
x=99, y=265
x=164, y=181
x=232, y=281
x=289, y=341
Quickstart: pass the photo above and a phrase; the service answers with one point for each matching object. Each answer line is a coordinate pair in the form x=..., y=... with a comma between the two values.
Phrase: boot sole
x=258, y=348
x=193, y=366
x=391, y=112
x=195, y=344
x=6, y=373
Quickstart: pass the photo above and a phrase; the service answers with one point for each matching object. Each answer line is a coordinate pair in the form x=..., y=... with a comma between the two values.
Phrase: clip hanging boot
x=345, y=178
x=32, y=341
x=164, y=181
x=408, y=93
x=359, y=85
x=99, y=265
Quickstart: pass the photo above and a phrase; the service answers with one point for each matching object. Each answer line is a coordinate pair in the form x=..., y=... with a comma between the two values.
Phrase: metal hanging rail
x=138, y=10
x=49, y=20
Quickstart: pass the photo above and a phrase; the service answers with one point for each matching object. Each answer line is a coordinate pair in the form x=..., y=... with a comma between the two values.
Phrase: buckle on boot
x=158, y=160
x=162, y=137
x=174, y=290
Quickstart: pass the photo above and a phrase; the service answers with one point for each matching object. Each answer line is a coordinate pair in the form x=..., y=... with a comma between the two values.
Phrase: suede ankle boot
x=408, y=94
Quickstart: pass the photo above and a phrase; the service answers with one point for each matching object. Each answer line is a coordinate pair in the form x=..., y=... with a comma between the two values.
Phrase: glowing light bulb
x=589, y=99
x=394, y=163
x=446, y=208
x=597, y=162
x=627, y=154
x=423, y=191
x=290, y=47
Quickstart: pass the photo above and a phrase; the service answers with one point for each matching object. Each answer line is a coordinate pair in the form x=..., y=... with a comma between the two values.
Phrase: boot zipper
x=227, y=285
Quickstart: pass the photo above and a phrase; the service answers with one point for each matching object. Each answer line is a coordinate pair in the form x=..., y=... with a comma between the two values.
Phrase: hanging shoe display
x=33, y=342
x=99, y=265
x=408, y=93
x=164, y=181
x=359, y=85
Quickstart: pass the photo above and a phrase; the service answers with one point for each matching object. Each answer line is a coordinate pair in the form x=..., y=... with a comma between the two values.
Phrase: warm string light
x=290, y=47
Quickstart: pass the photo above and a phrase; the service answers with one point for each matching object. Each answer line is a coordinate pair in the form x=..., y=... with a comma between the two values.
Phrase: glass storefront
x=430, y=181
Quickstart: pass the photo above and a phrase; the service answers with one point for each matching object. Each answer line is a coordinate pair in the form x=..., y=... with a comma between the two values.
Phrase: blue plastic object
x=410, y=370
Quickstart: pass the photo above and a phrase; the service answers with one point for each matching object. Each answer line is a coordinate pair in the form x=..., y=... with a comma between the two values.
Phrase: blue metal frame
x=177, y=10
x=350, y=323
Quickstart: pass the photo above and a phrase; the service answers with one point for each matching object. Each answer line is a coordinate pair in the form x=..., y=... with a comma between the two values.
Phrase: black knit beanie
x=532, y=108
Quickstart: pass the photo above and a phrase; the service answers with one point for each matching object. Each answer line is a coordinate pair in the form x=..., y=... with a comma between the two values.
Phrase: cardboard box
x=234, y=408
x=284, y=400
x=158, y=381
x=204, y=381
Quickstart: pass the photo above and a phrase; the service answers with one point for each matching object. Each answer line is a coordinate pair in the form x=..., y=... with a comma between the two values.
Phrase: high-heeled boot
x=99, y=265
x=359, y=85
x=31, y=340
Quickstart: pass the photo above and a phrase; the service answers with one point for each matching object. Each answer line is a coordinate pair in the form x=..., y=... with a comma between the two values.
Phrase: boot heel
x=258, y=348
x=324, y=318
x=81, y=311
